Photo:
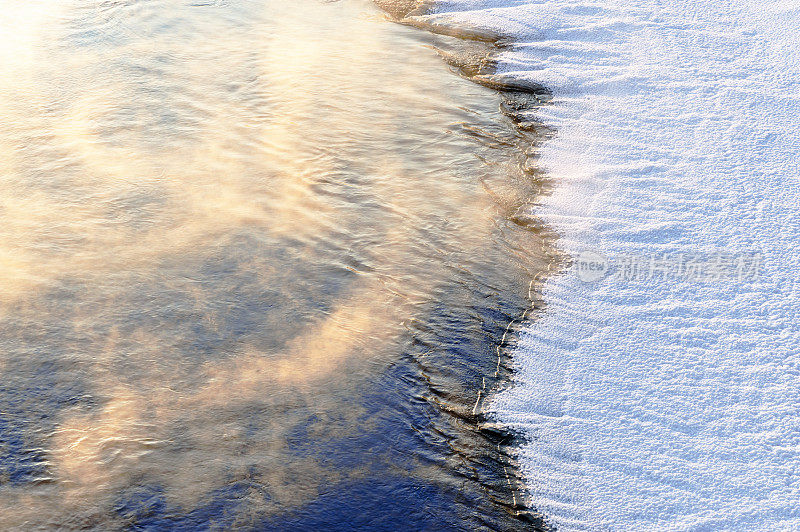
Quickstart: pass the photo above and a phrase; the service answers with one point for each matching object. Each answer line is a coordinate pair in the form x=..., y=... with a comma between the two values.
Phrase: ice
x=663, y=402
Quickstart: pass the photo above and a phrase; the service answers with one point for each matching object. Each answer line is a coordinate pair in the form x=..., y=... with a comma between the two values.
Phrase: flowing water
x=256, y=260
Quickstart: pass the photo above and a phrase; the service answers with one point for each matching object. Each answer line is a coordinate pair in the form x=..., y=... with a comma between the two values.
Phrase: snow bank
x=663, y=397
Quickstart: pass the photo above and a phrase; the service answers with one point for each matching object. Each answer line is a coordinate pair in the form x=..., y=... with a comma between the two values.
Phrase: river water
x=257, y=260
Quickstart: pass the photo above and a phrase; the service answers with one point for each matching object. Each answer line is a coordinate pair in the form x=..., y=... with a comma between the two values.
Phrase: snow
x=663, y=401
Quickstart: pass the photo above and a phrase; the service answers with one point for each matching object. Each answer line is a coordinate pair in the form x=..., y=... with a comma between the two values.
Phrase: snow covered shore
x=664, y=395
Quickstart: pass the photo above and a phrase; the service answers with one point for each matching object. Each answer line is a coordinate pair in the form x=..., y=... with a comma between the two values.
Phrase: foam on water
x=661, y=401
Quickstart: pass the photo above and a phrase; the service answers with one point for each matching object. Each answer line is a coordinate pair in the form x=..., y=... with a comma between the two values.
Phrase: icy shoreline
x=661, y=401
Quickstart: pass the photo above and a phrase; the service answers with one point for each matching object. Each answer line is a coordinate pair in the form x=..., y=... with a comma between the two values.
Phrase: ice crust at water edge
x=665, y=402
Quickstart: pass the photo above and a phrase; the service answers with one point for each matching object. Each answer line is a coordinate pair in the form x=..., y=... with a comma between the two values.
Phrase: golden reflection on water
x=142, y=142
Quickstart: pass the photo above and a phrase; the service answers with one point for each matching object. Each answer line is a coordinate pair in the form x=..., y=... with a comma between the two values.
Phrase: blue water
x=262, y=268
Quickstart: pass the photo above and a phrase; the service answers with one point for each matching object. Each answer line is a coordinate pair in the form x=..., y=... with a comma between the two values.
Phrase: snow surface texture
x=662, y=401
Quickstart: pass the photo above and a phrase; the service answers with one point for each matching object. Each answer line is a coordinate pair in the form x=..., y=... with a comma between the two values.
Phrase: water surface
x=256, y=259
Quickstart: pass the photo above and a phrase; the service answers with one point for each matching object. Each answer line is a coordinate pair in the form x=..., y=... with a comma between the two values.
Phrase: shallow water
x=256, y=261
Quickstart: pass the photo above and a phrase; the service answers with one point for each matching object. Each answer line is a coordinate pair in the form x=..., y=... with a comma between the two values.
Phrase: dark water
x=257, y=260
